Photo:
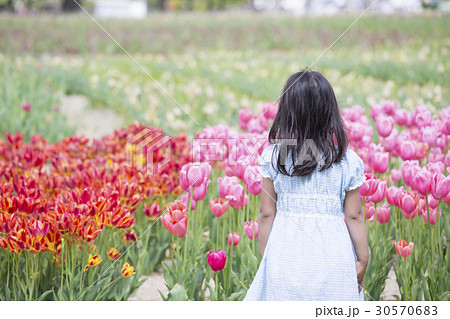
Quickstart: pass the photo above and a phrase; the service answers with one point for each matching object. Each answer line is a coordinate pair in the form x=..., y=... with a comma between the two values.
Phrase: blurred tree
x=6, y=5
x=71, y=5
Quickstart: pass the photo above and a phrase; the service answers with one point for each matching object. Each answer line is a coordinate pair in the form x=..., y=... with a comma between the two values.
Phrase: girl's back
x=308, y=252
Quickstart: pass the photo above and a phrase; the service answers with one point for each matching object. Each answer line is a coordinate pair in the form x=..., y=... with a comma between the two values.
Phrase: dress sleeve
x=355, y=171
x=266, y=169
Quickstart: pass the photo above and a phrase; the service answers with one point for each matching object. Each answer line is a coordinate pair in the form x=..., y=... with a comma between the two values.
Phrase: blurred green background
x=213, y=64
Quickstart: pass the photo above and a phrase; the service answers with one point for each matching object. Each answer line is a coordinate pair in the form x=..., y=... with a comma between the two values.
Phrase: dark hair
x=308, y=112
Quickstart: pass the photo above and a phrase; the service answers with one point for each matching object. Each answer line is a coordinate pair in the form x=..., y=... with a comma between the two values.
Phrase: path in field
x=95, y=123
x=90, y=122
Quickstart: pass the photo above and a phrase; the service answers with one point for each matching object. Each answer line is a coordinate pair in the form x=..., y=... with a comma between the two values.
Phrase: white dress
x=309, y=253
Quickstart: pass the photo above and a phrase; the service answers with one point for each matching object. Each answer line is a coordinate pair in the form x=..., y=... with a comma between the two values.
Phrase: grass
x=213, y=65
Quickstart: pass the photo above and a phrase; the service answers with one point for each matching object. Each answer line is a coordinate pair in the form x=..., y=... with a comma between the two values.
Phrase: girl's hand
x=360, y=271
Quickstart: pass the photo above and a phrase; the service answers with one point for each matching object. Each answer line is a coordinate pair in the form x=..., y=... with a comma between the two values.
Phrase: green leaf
x=178, y=293
x=44, y=295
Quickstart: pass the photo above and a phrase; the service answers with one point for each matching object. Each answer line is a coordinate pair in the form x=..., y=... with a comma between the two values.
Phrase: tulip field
x=85, y=219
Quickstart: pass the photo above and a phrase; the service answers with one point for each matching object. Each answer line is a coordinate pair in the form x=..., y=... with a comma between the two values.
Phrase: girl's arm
x=267, y=212
x=357, y=230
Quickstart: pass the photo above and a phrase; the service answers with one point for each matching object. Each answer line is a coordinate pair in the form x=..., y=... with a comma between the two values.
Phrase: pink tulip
x=446, y=199
x=369, y=210
x=440, y=141
x=218, y=206
x=422, y=182
x=409, y=170
x=370, y=185
x=401, y=116
x=390, y=142
x=433, y=214
x=396, y=175
x=376, y=110
x=428, y=135
x=389, y=107
x=270, y=110
x=407, y=150
x=432, y=201
x=408, y=202
x=434, y=168
x=253, y=179
x=423, y=118
x=225, y=184
x=393, y=195
x=250, y=227
x=193, y=174
x=175, y=220
x=185, y=200
x=378, y=196
x=234, y=239
x=440, y=185
x=217, y=259
x=385, y=125
x=237, y=196
x=435, y=155
x=245, y=115
x=421, y=150
x=404, y=249
x=383, y=214
x=200, y=191
x=380, y=162
x=26, y=107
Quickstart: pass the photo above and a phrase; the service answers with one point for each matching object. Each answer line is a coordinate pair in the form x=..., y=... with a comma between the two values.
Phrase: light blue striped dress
x=309, y=253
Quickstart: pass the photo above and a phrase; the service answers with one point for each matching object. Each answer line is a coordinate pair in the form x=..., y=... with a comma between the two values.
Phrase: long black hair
x=308, y=115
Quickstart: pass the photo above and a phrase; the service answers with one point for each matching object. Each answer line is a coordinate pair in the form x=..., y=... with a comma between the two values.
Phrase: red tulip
x=234, y=239
x=3, y=242
x=152, y=211
x=383, y=214
x=218, y=206
x=217, y=259
x=404, y=249
x=440, y=185
x=250, y=227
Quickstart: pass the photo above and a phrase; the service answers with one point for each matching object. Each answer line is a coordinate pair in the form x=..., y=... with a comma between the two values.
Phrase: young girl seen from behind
x=310, y=182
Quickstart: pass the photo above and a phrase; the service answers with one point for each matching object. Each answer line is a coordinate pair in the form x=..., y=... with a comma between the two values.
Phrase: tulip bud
x=217, y=259
x=404, y=249
x=234, y=239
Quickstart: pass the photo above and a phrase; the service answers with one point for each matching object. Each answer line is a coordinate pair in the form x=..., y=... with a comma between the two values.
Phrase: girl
x=310, y=181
